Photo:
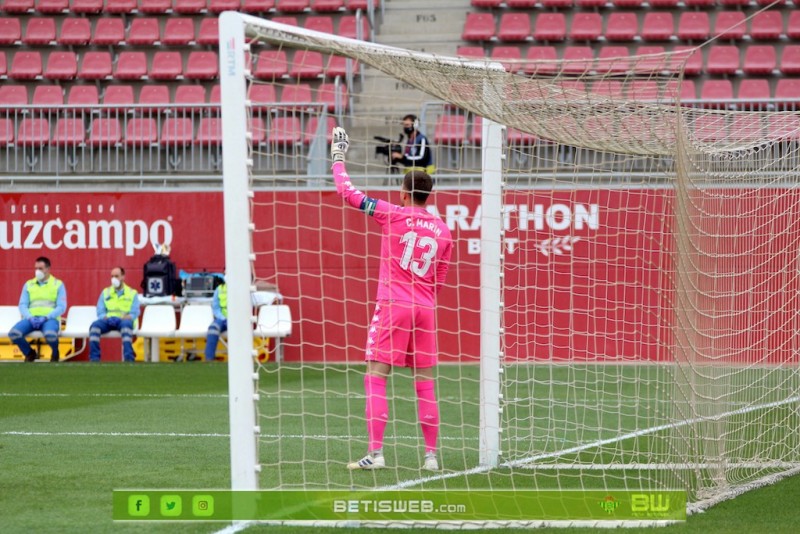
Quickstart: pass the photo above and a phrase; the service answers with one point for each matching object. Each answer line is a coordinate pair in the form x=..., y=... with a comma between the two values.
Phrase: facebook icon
x=138, y=505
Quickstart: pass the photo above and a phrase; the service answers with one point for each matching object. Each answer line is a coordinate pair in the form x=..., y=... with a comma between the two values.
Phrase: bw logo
x=609, y=504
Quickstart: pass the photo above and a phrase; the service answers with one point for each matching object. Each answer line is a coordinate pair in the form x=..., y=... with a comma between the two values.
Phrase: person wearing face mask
x=219, y=306
x=417, y=154
x=117, y=309
x=43, y=300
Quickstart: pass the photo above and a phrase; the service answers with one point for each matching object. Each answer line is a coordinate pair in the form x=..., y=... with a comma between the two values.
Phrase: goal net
x=622, y=309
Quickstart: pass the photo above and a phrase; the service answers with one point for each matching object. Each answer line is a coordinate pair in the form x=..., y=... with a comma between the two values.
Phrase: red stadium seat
x=627, y=3
x=192, y=97
x=692, y=65
x=327, y=6
x=75, y=32
x=509, y=56
x=50, y=97
x=766, y=25
x=521, y=4
x=7, y=128
x=120, y=7
x=166, y=66
x=476, y=131
x=577, y=59
x=84, y=96
x=622, y=26
x=105, y=132
x=472, y=52
x=288, y=20
x=654, y=59
x=586, y=27
x=26, y=66
x=3, y=63
x=587, y=4
x=258, y=130
x=729, y=25
x=178, y=31
x=131, y=66
x=479, y=27
x=257, y=6
x=557, y=4
x=784, y=126
x=10, y=31
x=262, y=96
x=17, y=6
x=337, y=66
x=284, y=131
x=144, y=31
x=319, y=24
x=664, y=3
x=209, y=132
x=69, y=132
x=218, y=6
x=732, y=2
x=40, y=31
x=723, y=59
x=550, y=27
x=271, y=64
x=95, y=66
x=177, y=131
x=311, y=129
x=189, y=7
x=613, y=59
x=334, y=97
x=13, y=96
x=141, y=132
x=349, y=27
x=760, y=59
x=61, y=66
x=770, y=2
x=607, y=88
x=790, y=59
x=787, y=92
x=694, y=26
x=714, y=91
x=514, y=27
x=214, y=95
x=33, y=131
x=202, y=66
x=793, y=26
x=292, y=6
x=642, y=90
x=156, y=97
x=754, y=93
x=658, y=26
x=711, y=128
x=306, y=64
x=747, y=128
x=86, y=6
x=451, y=129
x=687, y=88
x=541, y=60
x=108, y=32
x=208, y=33
x=52, y=7
x=120, y=96
x=298, y=95
x=355, y=5
x=155, y=7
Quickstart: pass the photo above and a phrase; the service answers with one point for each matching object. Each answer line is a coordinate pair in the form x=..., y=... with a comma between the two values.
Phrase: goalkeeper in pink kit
x=415, y=257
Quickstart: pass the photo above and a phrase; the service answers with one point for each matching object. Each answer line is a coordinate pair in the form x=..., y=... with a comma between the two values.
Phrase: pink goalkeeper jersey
x=415, y=247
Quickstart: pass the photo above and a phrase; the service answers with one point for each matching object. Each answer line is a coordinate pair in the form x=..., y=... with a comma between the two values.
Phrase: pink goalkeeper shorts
x=402, y=335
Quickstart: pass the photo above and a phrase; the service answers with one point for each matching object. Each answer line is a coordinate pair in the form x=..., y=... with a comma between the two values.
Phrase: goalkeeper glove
x=339, y=145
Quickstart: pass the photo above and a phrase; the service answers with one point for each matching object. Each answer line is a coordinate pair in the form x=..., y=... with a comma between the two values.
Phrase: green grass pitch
x=71, y=433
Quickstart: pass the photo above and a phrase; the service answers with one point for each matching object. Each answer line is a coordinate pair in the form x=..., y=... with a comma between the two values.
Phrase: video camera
x=385, y=149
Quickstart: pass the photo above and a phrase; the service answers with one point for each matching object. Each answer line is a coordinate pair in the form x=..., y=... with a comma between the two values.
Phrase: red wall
x=589, y=273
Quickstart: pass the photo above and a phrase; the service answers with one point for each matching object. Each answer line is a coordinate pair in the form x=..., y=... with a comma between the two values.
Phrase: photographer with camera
x=417, y=154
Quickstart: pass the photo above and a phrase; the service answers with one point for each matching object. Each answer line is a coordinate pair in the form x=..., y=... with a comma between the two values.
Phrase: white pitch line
x=659, y=467
x=321, y=437
x=124, y=395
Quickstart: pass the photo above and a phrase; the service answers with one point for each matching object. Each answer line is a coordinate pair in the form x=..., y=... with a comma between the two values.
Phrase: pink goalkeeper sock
x=377, y=410
x=428, y=413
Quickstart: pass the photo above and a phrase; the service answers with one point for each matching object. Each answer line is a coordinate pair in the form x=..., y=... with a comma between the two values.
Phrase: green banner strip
x=400, y=505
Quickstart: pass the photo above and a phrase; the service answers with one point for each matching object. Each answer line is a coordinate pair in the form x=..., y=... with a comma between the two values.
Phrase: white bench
x=274, y=321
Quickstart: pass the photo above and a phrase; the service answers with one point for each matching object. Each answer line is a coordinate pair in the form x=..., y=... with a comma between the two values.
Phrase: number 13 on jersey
x=429, y=245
